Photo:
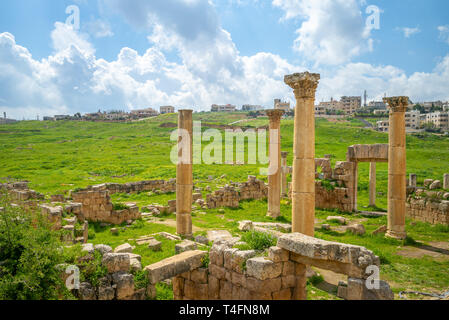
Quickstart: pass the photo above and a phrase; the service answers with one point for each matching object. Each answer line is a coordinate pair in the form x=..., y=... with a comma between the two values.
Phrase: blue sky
x=192, y=53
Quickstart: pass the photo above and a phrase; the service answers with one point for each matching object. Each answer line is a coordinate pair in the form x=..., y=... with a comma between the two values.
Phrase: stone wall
x=429, y=203
x=117, y=284
x=135, y=187
x=234, y=274
x=431, y=209
x=335, y=190
x=97, y=207
x=231, y=195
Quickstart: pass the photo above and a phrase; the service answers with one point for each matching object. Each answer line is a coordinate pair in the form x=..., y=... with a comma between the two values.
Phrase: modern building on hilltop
x=144, y=113
x=167, y=109
x=223, y=108
x=351, y=105
x=414, y=121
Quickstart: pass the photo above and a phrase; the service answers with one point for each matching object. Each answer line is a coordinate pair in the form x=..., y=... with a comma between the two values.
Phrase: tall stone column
x=284, y=185
x=184, y=174
x=372, y=184
x=304, y=86
x=397, y=167
x=274, y=174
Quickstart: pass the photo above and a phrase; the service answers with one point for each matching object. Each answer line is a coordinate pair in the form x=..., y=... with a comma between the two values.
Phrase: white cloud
x=99, y=28
x=444, y=33
x=331, y=32
x=209, y=70
x=408, y=32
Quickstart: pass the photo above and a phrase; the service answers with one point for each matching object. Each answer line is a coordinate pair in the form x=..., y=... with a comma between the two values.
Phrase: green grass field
x=60, y=156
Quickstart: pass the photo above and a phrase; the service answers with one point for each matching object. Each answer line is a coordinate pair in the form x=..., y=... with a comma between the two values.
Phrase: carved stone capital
x=303, y=84
x=275, y=115
x=397, y=104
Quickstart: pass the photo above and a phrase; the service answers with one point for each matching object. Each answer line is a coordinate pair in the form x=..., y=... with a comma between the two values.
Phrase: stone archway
x=371, y=153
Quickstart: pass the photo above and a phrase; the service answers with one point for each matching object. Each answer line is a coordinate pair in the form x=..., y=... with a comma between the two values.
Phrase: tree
x=29, y=254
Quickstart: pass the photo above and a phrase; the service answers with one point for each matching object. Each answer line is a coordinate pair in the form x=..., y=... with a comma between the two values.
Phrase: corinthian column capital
x=303, y=84
x=397, y=104
x=275, y=115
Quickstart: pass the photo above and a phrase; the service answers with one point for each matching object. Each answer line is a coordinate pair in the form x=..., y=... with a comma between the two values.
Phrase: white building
x=282, y=105
x=166, y=109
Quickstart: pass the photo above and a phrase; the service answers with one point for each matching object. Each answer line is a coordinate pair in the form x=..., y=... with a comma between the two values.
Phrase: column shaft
x=397, y=168
x=284, y=186
x=275, y=171
x=184, y=174
x=303, y=178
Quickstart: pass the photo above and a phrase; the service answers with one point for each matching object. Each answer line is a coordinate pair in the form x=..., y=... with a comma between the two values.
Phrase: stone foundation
x=280, y=274
x=97, y=207
x=136, y=187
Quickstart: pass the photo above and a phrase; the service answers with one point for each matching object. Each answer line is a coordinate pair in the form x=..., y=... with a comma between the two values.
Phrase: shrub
x=29, y=254
x=259, y=240
x=120, y=206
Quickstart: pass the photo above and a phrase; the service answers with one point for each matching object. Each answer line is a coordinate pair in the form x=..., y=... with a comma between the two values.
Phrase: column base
x=273, y=215
x=396, y=235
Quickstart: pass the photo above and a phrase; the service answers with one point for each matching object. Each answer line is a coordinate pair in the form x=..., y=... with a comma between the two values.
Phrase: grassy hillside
x=58, y=156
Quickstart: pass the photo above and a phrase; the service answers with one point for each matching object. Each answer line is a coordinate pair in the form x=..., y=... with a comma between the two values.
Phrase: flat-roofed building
x=351, y=105
x=167, y=109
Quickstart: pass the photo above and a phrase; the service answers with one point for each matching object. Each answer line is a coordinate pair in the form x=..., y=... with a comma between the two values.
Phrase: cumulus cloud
x=210, y=69
x=331, y=32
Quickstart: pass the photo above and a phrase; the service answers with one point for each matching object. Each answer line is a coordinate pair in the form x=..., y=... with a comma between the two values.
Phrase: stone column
x=284, y=172
x=446, y=181
x=304, y=86
x=184, y=174
x=372, y=184
x=275, y=170
x=397, y=168
x=412, y=180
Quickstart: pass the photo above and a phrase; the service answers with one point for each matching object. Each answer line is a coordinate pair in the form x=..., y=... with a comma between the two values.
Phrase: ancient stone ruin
x=233, y=274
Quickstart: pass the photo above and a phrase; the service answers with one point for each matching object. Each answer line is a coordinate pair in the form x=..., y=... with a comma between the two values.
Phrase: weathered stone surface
x=245, y=225
x=202, y=240
x=106, y=293
x=86, y=291
x=239, y=259
x=357, y=290
x=154, y=245
x=341, y=258
x=338, y=219
x=176, y=265
x=282, y=227
x=357, y=229
x=186, y=245
x=103, y=249
x=124, y=283
x=435, y=185
x=88, y=247
x=262, y=269
x=116, y=262
x=214, y=235
x=135, y=264
x=277, y=254
x=124, y=248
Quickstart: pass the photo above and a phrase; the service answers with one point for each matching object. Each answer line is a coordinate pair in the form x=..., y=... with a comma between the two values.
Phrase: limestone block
x=239, y=259
x=338, y=219
x=344, y=258
x=357, y=229
x=106, y=293
x=124, y=248
x=277, y=254
x=435, y=185
x=103, y=249
x=124, y=283
x=154, y=244
x=86, y=291
x=199, y=275
x=262, y=269
x=176, y=265
x=184, y=246
x=116, y=262
x=214, y=235
x=245, y=225
x=357, y=290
